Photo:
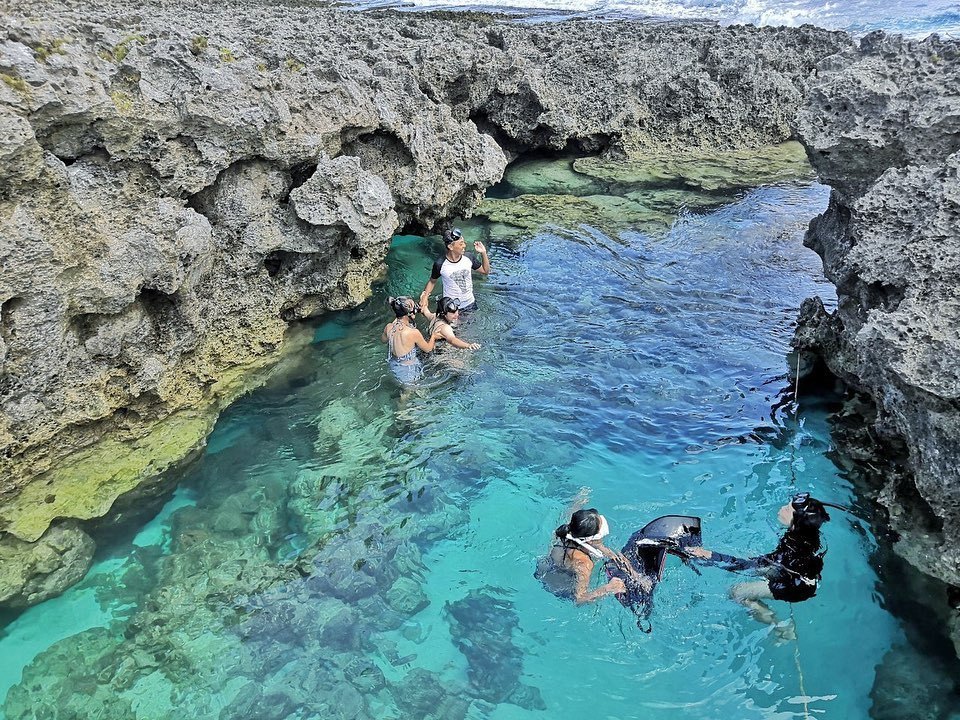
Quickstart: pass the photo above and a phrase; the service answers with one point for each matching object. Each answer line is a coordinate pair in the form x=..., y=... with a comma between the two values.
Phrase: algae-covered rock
x=549, y=177
x=58, y=685
x=703, y=169
x=98, y=476
x=33, y=572
x=534, y=212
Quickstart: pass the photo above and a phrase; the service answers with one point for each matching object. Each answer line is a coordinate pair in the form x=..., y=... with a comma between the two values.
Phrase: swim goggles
x=800, y=500
x=450, y=305
x=584, y=542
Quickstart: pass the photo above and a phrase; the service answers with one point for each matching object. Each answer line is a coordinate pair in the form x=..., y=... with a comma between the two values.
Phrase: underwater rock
x=482, y=626
x=881, y=126
x=535, y=212
x=905, y=689
x=549, y=177
x=703, y=169
x=407, y=597
x=56, y=685
x=422, y=695
x=33, y=572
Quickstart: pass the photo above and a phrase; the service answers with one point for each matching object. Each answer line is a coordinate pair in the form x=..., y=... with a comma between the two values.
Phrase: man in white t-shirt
x=455, y=270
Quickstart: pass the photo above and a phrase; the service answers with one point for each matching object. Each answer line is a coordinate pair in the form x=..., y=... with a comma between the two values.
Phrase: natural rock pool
x=346, y=548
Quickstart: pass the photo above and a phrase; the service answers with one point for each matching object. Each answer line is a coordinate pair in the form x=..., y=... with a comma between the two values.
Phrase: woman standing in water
x=566, y=570
x=441, y=323
x=403, y=339
x=791, y=572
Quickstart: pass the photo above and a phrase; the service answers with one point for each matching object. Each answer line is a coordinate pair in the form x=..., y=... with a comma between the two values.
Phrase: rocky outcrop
x=882, y=126
x=178, y=183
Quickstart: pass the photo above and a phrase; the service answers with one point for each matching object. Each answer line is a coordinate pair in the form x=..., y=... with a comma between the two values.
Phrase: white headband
x=585, y=542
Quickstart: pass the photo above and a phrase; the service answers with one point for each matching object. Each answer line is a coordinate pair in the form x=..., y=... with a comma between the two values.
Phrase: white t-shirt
x=456, y=278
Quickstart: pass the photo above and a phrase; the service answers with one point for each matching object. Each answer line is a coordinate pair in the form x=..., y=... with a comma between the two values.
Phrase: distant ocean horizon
x=914, y=19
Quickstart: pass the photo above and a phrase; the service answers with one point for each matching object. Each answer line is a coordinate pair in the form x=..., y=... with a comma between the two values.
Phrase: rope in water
x=796, y=647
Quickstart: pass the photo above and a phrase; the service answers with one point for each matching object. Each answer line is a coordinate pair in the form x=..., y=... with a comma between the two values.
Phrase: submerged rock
x=33, y=572
x=482, y=626
x=703, y=169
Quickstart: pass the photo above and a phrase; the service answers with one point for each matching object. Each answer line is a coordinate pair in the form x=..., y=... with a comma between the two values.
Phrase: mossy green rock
x=533, y=212
x=33, y=572
x=88, y=487
x=706, y=170
x=549, y=177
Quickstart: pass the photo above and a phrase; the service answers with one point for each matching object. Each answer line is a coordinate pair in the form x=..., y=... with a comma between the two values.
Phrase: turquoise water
x=349, y=548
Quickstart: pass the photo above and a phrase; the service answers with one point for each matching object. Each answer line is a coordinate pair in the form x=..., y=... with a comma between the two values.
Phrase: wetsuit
x=792, y=569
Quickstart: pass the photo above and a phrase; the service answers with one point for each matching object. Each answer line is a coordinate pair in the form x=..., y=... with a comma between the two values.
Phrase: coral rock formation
x=882, y=126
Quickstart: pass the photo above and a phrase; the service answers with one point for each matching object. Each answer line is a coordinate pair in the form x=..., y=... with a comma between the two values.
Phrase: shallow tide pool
x=349, y=548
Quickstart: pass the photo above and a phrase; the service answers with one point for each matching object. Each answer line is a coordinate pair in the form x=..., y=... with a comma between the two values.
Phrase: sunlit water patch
x=346, y=548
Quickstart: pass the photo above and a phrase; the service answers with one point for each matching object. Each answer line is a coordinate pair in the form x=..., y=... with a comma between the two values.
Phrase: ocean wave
x=915, y=19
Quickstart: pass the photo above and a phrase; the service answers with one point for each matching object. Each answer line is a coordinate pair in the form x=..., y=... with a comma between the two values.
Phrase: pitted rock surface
x=884, y=131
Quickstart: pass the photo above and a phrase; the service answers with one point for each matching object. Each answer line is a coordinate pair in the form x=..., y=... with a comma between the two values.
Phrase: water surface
x=349, y=548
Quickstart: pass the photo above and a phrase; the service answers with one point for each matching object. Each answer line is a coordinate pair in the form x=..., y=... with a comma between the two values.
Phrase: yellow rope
x=796, y=647
x=796, y=659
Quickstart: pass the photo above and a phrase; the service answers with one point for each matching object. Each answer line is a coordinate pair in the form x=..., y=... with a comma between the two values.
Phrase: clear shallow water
x=916, y=19
x=346, y=548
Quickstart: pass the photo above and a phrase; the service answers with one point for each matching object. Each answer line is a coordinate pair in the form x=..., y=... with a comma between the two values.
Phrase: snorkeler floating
x=791, y=572
x=566, y=570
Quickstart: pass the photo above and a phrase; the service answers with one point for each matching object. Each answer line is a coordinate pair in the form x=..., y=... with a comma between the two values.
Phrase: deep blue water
x=916, y=18
x=349, y=548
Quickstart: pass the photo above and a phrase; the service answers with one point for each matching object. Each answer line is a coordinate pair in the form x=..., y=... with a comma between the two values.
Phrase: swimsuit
x=557, y=578
x=406, y=368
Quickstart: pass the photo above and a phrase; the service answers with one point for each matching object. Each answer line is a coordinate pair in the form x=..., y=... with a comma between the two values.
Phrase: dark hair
x=447, y=305
x=583, y=523
x=808, y=513
x=403, y=306
x=452, y=234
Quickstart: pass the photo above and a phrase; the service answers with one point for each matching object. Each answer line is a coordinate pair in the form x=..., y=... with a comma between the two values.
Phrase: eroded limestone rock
x=179, y=183
x=883, y=131
x=31, y=572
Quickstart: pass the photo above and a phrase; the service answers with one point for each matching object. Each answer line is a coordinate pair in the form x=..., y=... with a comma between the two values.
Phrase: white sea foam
x=917, y=18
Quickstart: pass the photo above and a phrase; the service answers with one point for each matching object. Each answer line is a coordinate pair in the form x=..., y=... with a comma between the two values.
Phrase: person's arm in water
x=727, y=562
x=582, y=568
x=481, y=250
x=446, y=332
x=425, y=345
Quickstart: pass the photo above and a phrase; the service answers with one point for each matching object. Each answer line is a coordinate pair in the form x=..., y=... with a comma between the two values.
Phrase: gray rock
x=883, y=131
x=33, y=572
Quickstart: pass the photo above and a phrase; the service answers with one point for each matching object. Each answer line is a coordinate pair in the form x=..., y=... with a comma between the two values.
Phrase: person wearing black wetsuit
x=791, y=572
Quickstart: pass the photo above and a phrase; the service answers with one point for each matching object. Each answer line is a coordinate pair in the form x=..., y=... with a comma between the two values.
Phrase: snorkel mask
x=449, y=305
x=801, y=501
x=584, y=542
x=404, y=306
